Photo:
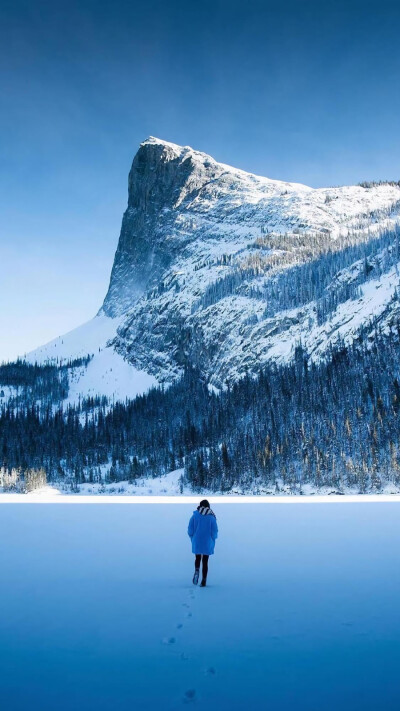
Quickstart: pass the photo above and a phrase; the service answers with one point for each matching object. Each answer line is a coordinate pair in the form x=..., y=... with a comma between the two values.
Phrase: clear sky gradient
x=305, y=91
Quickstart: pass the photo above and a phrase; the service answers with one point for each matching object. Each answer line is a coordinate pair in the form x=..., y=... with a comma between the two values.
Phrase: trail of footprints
x=190, y=695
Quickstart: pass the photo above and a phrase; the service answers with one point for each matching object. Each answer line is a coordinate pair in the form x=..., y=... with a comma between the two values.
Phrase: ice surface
x=301, y=612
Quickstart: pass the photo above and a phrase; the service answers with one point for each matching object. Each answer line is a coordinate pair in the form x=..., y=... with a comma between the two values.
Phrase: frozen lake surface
x=98, y=612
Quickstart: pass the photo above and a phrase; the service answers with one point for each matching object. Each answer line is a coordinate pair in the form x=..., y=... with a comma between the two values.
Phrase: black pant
x=205, y=564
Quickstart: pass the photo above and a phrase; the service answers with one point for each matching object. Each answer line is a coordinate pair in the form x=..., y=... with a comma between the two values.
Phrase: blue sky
x=301, y=91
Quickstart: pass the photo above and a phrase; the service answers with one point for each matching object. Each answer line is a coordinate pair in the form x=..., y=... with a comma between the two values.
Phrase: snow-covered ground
x=301, y=611
x=173, y=485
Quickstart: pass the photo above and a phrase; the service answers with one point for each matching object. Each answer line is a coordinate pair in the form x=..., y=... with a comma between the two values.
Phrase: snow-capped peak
x=205, y=268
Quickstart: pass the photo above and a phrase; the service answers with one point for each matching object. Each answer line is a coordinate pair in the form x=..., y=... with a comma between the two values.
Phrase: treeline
x=377, y=183
x=334, y=424
x=321, y=279
x=32, y=381
x=22, y=481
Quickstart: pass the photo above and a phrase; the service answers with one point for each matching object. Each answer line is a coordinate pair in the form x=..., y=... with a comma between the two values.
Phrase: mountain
x=225, y=271
x=271, y=311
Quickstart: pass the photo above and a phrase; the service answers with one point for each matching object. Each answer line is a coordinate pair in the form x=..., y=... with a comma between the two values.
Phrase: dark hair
x=205, y=503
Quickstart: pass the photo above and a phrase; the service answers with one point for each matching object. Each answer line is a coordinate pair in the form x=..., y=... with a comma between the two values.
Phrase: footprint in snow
x=168, y=640
x=210, y=671
x=189, y=696
x=179, y=627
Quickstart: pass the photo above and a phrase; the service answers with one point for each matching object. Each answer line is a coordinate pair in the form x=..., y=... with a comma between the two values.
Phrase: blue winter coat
x=203, y=532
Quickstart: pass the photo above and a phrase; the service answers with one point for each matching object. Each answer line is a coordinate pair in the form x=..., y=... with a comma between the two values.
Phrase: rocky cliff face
x=213, y=265
x=163, y=181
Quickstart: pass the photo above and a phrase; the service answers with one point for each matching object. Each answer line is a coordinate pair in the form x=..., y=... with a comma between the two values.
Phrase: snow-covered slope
x=107, y=372
x=214, y=267
x=87, y=339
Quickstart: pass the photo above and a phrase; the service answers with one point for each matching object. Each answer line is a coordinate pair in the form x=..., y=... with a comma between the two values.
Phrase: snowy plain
x=99, y=612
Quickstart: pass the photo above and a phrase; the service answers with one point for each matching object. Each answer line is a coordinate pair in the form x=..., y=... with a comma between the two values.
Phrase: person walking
x=203, y=532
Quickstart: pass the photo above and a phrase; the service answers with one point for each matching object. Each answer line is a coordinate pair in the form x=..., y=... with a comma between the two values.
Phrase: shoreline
x=55, y=498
